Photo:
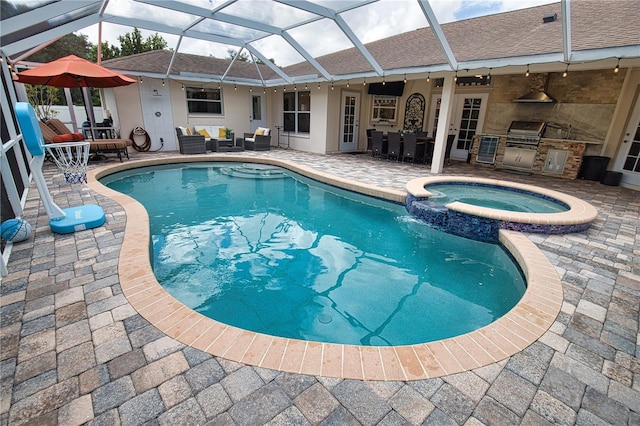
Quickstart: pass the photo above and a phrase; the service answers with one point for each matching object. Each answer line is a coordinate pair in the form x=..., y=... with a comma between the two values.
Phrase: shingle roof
x=595, y=25
x=157, y=61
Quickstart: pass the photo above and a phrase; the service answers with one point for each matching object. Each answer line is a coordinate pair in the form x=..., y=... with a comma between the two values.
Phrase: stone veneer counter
x=575, y=152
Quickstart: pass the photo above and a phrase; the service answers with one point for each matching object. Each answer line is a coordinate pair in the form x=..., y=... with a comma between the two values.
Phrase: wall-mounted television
x=391, y=88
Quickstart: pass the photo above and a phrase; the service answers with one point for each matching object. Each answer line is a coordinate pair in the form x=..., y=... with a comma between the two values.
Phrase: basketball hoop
x=71, y=158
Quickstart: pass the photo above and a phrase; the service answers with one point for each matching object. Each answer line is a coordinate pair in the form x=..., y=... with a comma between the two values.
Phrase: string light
x=566, y=71
x=182, y=86
x=455, y=78
x=202, y=89
x=251, y=88
x=163, y=82
x=140, y=80
x=218, y=85
x=306, y=87
x=526, y=74
x=364, y=82
x=275, y=89
x=235, y=87
x=295, y=88
x=428, y=77
x=383, y=82
x=318, y=86
x=264, y=90
x=489, y=75
x=616, y=70
x=347, y=83
x=405, y=78
x=332, y=85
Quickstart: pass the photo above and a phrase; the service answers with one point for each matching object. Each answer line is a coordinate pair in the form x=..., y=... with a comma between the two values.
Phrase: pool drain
x=324, y=318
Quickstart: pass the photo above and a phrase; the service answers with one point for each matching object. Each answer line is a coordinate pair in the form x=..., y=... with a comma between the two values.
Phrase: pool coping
x=520, y=327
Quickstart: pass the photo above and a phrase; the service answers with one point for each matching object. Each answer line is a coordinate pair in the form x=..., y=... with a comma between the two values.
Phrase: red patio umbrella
x=72, y=71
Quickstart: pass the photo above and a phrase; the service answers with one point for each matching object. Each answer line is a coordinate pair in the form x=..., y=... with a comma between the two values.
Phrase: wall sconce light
x=526, y=74
x=616, y=70
x=566, y=71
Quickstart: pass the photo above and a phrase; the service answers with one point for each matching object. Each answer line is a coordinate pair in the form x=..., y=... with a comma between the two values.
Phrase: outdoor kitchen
x=546, y=123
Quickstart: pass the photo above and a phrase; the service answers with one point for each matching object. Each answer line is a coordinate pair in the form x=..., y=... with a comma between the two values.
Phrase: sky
x=371, y=22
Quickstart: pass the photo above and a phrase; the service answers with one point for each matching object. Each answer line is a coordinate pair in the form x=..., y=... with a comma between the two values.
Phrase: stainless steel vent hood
x=538, y=93
x=536, y=97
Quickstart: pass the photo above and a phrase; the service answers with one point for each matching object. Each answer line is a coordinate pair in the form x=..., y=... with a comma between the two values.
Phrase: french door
x=467, y=119
x=628, y=160
x=257, y=118
x=349, y=118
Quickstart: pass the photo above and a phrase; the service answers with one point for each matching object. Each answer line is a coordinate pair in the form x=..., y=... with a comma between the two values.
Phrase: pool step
x=254, y=171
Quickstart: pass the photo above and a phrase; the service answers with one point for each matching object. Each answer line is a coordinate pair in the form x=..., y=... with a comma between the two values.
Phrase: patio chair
x=394, y=145
x=369, y=131
x=260, y=140
x=412, y=150
x=54, y=131
x=377, y=144
x=191, y=144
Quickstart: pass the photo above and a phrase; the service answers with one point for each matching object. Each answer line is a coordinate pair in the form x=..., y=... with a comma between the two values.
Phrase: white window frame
x=382, y=104
x=218, y=91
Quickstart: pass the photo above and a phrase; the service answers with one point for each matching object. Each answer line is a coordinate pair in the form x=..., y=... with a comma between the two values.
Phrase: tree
x=243, y=57
x=108, y=52
x=132, y=43
x=70, y=44
x=42, y=98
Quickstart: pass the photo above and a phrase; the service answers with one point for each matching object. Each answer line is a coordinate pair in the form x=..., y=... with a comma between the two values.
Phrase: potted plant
x=228, y=133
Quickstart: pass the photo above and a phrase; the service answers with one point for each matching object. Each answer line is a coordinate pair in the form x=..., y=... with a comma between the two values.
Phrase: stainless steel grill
x=525, y=133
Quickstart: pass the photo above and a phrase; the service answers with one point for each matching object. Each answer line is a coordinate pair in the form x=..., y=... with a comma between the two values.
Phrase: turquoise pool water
x=267, y=250
x=495, y=197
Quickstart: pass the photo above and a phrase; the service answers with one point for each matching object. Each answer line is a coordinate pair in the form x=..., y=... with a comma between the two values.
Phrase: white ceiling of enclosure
x=287, y=31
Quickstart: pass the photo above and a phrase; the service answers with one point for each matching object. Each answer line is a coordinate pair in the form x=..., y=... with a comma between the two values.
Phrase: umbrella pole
x=88, y=107
x=72, y=109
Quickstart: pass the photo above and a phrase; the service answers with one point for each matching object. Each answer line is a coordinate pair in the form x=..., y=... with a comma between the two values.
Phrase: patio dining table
x=424, y=146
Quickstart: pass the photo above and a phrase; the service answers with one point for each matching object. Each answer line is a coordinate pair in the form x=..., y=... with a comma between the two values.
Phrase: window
x=384, y=108
x=297, y=111
x=204, y=101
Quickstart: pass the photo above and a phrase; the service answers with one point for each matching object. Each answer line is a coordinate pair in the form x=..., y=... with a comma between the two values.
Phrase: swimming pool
x=506, y=336
x=271, y=251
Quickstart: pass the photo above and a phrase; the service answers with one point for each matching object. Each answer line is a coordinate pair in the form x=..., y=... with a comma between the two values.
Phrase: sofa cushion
x=187, y=131
x=212, y=131
x=204, y=133
x=222, y=133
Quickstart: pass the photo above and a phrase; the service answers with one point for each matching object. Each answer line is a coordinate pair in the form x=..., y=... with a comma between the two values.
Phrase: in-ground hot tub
x=474, y=217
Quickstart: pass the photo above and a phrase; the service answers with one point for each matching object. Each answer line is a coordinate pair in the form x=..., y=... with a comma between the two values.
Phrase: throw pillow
x=259, y=132
x=188, y=131
x=204, y=133
x=222, y=133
